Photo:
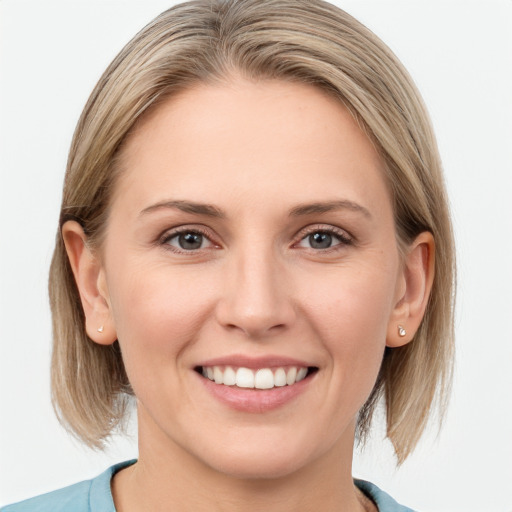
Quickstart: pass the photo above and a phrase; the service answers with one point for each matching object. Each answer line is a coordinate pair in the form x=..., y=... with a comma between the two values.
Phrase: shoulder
x=384, y=501
x=75, y=497
x=88, y=496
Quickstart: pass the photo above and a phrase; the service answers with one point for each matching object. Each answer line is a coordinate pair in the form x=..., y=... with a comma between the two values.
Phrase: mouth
x=257, y=378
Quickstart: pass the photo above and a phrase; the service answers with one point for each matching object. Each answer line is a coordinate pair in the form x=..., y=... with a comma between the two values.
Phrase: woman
x=255, y=243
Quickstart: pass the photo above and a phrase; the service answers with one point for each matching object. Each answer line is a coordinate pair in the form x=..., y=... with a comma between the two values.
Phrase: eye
x=322, y=239
x=188, y=240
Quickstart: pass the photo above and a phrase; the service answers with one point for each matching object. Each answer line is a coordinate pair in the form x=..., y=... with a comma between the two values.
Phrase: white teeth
x=290, y=376
x=280, y=377
x=264, y=378
x=244, y=378
x=218, y=376
x=301, y=374
x=229, y=376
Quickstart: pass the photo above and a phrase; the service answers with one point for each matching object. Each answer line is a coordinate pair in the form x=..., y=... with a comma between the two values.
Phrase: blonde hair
x=307, y=41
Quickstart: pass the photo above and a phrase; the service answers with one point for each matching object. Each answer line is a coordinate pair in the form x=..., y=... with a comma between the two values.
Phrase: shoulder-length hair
x=308, y=41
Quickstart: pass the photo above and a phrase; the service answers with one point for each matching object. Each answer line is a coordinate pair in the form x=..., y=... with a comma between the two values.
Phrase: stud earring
x=100, y=329
x=401, y=331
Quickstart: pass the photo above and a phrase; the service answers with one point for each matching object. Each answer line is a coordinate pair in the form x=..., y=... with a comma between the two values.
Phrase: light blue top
x=95, y=496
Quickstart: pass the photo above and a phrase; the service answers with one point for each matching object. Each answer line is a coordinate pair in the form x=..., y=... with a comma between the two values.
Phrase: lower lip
x=255, y=400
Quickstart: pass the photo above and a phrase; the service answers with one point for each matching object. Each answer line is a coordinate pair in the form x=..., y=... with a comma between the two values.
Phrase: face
x=251, y=273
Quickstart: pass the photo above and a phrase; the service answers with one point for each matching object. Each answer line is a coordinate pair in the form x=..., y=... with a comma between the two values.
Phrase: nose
x=256, y=296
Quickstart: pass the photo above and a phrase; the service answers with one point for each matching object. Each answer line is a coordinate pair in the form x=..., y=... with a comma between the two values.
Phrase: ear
x=90, y=280
x=415, y=284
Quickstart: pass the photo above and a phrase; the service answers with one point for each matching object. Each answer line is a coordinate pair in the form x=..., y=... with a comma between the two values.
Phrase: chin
x=260, y=457
x=273, y=466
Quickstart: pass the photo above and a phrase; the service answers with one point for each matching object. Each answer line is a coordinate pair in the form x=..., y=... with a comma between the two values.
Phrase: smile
x=262, y=378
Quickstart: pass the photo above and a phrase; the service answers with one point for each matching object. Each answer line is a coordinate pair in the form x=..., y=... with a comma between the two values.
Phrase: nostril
x=256, y=328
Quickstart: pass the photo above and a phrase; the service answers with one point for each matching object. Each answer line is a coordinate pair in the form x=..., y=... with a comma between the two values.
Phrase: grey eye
x=188, y=241
x=320, y=240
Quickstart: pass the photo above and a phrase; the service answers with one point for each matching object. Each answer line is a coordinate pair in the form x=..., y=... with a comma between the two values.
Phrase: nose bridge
x=255, y=298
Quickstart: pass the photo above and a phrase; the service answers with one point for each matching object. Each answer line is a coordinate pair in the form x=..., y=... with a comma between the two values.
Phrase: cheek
x=353, y=305
x=156, y=314
x=351, y=319
x=357, y=339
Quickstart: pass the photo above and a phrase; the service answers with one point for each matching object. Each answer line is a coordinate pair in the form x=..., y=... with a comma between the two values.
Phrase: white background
x=459, y=53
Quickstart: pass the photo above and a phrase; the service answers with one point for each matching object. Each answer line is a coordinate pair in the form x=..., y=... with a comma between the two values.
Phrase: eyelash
x=344, y=238
x=169, y=235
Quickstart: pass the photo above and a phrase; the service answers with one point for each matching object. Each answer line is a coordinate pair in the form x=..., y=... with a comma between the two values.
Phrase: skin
x=256, y=152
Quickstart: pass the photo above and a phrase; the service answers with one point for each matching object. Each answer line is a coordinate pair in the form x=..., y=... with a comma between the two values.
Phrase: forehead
x=252, y=137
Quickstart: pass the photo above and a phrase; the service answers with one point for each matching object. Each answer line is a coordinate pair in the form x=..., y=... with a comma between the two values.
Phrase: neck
x=166, y=477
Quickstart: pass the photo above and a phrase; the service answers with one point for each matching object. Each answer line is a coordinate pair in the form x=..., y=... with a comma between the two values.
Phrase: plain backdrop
x=459, y=53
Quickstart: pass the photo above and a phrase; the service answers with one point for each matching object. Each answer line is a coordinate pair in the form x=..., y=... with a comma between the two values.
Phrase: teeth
x=229, y=376
x=244, y=378
x=264, y=378
x=280, y=377
x=218, y=376
x=301, y=374
x=290, y=376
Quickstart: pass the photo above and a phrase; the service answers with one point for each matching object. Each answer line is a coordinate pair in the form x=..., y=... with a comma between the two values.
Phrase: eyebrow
x=186, y=206
x=329, y=206
x=298, y=211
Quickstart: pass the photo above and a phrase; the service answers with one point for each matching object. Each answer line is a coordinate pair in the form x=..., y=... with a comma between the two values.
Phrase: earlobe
x=90, y=280
x=416, y=278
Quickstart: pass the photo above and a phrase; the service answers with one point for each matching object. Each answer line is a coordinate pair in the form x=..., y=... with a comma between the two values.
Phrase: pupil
x=190, y=241
x=320, y=240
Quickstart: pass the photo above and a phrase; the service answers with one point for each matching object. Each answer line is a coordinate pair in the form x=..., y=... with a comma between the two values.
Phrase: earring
x=100, y=329
x=401, y=331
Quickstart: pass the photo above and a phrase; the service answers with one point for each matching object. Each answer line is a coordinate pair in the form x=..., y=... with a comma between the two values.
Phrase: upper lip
x=239, y=360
